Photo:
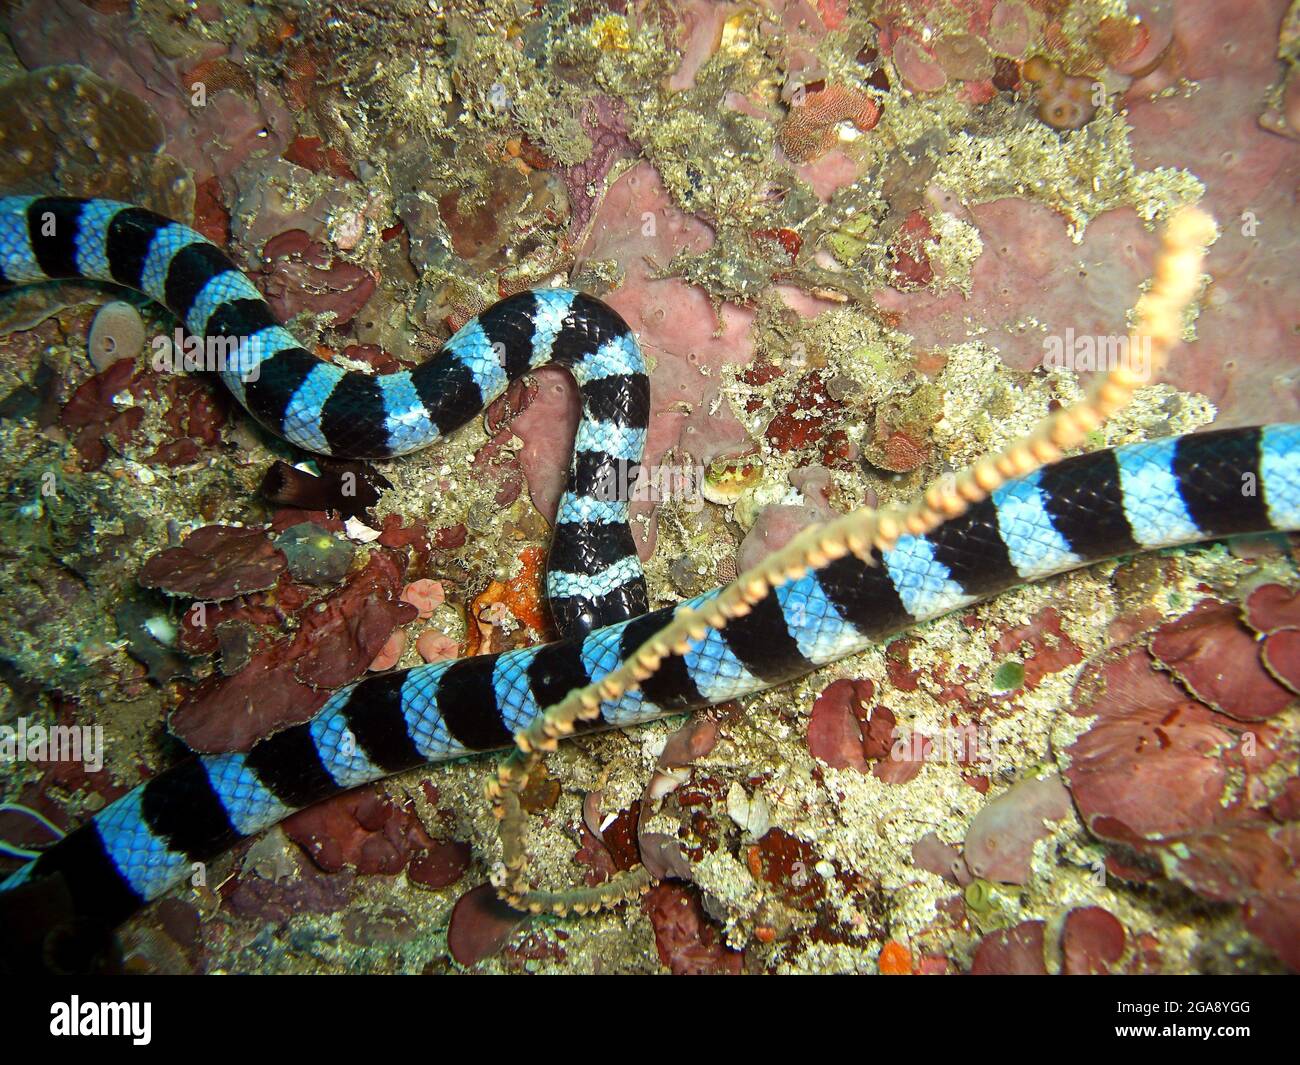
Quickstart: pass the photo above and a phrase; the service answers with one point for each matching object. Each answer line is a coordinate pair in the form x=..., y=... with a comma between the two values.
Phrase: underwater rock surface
x=855, y=242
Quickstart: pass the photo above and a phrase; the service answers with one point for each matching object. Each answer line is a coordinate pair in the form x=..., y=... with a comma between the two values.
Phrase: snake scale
x=1068, y=514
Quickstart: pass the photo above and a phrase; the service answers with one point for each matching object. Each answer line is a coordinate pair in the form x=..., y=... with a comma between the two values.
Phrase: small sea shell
x=726, y=478
x=752, y=815
x=360, y=531
x=162, y=629
x=117, y=333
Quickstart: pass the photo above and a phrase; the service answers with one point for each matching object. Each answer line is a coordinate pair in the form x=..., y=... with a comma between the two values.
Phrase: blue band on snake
x=1077, y=511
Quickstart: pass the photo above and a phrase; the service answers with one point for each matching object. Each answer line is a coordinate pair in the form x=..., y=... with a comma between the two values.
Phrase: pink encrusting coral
x=1000, y=840
x=675, y=324
x=244, y=116
x=604, y=123
x=1026, y=246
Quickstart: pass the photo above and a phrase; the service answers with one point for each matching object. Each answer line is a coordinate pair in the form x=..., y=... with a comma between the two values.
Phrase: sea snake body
x=1097, y=505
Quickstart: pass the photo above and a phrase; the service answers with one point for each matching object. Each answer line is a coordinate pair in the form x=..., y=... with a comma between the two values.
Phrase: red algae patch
x=1250, y=864
x=284, y=682
x=301, y=275
x=834, y=733
x=1206, y=796
x=1281, y=657
x=233, y=713
x=365, y=831
x=1217, y=660
x=1014, y=951
x=688, y=942
x=481, y=924
x=1092, y=941
x=1156, y=762
x=216, y=562
x=1272, y=607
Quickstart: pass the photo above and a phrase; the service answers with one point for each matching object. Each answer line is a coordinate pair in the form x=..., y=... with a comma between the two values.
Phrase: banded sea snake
x=1059, y=517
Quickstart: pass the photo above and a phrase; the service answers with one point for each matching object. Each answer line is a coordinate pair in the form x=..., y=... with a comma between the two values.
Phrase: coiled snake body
x=1076, y=511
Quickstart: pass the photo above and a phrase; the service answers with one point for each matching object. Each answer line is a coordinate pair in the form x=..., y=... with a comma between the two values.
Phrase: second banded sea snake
x=1065, y=515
